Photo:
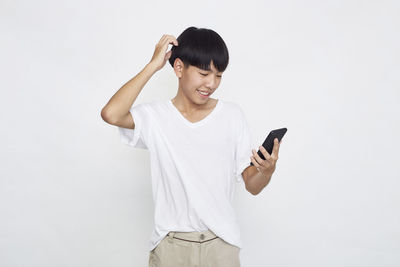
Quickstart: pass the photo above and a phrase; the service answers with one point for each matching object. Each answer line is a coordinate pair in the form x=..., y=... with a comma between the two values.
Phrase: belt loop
x=171, y=234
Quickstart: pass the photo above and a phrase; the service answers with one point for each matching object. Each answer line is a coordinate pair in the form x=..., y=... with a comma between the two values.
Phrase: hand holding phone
x=269, y=141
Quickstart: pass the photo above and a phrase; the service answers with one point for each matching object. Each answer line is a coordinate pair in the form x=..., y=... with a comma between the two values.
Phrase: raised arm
x=116, y=111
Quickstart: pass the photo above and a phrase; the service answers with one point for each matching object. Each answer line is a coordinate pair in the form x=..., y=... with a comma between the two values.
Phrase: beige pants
x=194, y=249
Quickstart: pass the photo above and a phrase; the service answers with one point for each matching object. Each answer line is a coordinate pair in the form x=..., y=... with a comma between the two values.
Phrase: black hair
x=198, y=46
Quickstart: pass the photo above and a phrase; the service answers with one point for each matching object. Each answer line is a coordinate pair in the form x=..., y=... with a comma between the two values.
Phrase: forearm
x=121, y=102
x=257, y=181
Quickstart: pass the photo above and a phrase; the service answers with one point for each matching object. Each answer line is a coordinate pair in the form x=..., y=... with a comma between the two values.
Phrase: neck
x=184, y=104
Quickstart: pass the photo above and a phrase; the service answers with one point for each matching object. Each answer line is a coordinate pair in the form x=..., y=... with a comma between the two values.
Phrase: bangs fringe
x=198, y=47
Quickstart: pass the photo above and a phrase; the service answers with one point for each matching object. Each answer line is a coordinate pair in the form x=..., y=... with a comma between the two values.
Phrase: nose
x=211, y=82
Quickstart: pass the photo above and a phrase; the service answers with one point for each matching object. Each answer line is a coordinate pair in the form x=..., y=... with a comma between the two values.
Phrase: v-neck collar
x=197, y=123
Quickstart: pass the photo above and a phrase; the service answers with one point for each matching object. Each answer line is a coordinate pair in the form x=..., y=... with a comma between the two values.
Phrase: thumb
x=168, y=55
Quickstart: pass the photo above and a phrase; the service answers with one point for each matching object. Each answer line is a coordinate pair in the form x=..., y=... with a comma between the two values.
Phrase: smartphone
x=269, y=141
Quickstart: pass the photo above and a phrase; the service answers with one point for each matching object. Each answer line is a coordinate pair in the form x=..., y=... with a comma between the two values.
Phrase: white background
x=72, y=195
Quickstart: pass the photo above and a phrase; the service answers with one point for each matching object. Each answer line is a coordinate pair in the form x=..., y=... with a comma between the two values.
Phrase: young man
x=199, y=146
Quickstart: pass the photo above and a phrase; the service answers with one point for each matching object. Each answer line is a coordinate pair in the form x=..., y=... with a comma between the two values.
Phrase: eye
x=205, y=74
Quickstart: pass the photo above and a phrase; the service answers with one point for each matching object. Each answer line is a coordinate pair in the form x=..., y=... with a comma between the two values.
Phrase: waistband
x=198, y=237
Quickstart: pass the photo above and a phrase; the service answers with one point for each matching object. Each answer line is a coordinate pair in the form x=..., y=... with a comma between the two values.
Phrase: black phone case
x=269, y=141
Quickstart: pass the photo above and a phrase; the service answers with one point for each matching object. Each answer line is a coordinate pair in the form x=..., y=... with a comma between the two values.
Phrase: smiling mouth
x=204, y=94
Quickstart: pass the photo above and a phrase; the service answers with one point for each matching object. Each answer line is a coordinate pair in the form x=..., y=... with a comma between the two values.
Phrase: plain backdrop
x=71, y=194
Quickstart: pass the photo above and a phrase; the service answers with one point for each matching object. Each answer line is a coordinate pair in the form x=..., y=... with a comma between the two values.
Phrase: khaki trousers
x=194, y=249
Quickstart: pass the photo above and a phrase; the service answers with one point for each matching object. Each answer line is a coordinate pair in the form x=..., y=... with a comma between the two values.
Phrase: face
x=193, y=79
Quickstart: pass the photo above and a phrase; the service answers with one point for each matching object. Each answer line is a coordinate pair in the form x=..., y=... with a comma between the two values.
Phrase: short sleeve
x=136, y=137
x=243, y=147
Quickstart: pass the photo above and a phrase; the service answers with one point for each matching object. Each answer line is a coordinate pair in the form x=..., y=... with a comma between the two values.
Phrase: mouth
x=203, y=94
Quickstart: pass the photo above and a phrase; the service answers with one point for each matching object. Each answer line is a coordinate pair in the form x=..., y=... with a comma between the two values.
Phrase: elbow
x=251, y=191
x=105, y=115
x=254, y=193
x=247, y=174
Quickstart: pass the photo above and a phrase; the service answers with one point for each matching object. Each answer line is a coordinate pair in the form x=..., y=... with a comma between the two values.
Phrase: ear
x=178, y=67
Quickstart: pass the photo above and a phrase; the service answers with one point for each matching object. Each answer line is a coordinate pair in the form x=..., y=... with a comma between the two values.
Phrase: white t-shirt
x=194, y=166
